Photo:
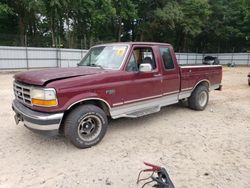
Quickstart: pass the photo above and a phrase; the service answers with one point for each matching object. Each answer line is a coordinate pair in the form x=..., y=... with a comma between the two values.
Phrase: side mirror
x=145, y=67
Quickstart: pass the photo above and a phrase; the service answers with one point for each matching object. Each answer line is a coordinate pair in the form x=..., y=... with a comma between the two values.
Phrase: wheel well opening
x=203, y=83
x=98, y=103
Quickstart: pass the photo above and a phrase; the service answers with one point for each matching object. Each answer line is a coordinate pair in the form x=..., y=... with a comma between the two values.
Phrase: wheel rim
x=89, y=128
x=203, y=98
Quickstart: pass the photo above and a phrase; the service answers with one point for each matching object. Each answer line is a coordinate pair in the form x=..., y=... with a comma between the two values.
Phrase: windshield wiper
x=96, y=65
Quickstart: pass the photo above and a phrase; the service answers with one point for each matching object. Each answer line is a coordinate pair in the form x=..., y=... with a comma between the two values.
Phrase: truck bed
x=192, y=75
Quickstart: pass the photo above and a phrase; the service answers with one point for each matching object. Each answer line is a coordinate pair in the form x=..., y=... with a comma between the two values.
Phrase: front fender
x=84, y=97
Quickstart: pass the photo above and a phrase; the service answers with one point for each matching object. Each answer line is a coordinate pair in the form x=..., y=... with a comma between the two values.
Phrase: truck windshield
x=106, y=57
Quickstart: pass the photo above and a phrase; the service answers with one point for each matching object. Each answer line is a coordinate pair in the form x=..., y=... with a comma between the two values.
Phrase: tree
x=191, y=25
x=25, y=10
x=124, y=10
x=8, y=29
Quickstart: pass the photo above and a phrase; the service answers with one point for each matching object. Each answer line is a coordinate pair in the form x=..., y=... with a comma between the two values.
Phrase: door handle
x=157, y=75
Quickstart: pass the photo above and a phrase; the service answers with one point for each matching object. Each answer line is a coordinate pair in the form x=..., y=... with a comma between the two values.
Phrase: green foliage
x=190, y=25
x=195, y=14
x=5, y=9
x=171, y=14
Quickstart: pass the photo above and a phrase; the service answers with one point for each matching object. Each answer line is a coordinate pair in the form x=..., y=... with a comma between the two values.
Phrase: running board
x=144, y=112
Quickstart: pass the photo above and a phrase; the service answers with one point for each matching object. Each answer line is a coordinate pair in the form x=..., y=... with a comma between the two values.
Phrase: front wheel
x=85, y=126
x=199, y=98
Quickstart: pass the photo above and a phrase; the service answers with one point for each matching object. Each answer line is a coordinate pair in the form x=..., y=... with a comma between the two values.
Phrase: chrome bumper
x=36, y=121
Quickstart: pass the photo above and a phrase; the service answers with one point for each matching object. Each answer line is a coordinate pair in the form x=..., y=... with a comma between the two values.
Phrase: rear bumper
x=44, y=123
x=216, y=87
x=219, y=88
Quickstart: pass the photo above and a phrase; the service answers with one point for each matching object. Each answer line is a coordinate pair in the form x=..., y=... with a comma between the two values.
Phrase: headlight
x=43, y=97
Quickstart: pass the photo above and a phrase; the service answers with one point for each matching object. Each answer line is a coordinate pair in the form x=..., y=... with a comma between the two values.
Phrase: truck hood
x=42, y=77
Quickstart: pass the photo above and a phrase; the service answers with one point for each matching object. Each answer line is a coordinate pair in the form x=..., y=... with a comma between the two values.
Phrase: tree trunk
x=85, y=41
x=21, y=30
x=184, y=44
x=119, y=30
x=141, y=36
x=35, y=36
x=68, y=27
x=31, y=36
x=61, y=33
x=178, y=39
x=52, y=31
x=90, y=40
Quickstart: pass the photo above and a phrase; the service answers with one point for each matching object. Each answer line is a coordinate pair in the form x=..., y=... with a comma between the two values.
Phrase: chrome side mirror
x=145, y=67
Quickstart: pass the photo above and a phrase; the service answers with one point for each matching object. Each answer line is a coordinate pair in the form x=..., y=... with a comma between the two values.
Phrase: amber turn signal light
x=45, y=103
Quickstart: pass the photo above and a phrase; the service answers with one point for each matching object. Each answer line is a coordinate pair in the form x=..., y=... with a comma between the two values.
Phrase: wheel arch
x=104, y=105
x=203, y=82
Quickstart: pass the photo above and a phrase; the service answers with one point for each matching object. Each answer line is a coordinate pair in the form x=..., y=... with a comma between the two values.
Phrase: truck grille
x=22, y=92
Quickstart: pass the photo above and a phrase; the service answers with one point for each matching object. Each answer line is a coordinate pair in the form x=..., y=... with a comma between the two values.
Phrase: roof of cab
x=133, y=43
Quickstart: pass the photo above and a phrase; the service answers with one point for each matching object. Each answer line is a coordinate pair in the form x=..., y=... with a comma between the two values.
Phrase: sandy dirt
x=199, y=149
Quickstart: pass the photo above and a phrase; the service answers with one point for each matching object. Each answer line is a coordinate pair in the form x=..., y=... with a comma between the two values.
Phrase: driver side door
x=139, y=86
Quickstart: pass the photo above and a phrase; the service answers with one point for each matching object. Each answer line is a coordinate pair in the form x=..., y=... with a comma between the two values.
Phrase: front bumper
x=45, y=123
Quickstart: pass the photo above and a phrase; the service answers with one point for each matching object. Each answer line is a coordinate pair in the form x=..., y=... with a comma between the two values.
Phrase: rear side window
x=167, y=58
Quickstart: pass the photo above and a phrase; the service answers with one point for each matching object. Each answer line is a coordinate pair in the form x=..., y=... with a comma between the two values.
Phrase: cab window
x=140, y=56
x=132, y=65
x=167, y=58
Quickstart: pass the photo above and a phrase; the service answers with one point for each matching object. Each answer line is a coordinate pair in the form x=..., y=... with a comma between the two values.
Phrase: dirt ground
x=199, y=149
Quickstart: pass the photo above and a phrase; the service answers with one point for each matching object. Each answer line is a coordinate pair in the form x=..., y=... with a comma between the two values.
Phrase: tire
x=199, y=98
x=85, y=126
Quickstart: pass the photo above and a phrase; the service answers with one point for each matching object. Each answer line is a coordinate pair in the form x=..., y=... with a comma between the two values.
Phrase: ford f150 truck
x=112, y=81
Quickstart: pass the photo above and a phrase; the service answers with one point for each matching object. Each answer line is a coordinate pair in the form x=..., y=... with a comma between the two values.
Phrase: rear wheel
x=199, y=98
x=85, y=126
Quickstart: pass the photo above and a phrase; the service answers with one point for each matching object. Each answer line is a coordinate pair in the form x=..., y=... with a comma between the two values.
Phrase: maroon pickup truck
x=112, y=80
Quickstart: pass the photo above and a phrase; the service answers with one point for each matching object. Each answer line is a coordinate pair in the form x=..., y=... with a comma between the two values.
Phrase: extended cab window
x=139, y=56
x=167, y=58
